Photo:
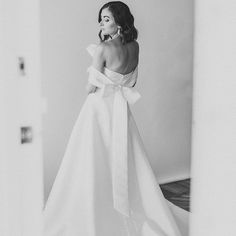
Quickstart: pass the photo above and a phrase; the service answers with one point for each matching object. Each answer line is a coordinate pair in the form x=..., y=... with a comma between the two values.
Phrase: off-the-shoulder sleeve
x=97, y=78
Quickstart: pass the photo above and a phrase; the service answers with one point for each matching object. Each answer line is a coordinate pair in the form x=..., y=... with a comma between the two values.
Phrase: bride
x=105, y=185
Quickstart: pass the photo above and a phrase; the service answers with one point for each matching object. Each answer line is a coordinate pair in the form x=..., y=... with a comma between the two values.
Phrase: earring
x=118, y=32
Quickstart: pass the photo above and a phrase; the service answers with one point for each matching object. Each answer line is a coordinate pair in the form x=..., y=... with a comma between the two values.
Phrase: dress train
x=105, y=185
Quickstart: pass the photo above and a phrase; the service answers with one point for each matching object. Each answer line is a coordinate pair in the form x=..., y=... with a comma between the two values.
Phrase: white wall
x=165, y=78
x=213, y=188
x=21, y=165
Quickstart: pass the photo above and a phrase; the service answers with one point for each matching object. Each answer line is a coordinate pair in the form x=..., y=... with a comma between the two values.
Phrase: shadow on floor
x=178, y=193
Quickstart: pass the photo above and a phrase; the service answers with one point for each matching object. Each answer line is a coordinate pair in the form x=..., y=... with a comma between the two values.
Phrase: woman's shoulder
x=135, y=44
x=104, y=48
x=133, y=48
x=110, y=46
x=108, y=49
x=100, y=49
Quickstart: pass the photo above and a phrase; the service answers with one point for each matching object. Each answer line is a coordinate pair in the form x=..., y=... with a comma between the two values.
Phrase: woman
x=105, y=185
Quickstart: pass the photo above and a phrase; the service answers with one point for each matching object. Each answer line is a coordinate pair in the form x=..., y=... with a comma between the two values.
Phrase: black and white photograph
x=117, y=118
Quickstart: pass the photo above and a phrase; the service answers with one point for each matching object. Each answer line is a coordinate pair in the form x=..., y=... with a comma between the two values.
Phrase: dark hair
x=123, y=18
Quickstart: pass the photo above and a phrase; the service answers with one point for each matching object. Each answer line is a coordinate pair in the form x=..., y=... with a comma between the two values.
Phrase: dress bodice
x=111, y=77
x=110, y=81
x=118, y=78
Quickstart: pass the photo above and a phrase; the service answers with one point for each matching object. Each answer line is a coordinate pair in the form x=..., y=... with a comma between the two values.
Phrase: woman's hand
x=90, y=88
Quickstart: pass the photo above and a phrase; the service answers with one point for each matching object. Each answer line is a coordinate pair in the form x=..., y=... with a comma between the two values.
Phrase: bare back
x=121, y=58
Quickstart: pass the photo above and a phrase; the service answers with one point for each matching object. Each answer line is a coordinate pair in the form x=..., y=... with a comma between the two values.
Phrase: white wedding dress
x=105, y=185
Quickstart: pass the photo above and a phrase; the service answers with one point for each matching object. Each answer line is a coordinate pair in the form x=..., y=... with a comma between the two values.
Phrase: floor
x=178, y=193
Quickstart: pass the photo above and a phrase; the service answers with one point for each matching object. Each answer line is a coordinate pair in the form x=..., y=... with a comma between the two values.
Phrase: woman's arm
x=90, y=88
x=99, y=58
x=98, y=63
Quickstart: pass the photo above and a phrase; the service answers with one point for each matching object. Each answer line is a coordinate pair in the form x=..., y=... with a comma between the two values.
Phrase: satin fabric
x=122, y=88
x=105, y=185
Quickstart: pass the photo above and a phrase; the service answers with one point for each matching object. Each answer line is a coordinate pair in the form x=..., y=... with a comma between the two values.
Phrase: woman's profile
x=105, y=185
